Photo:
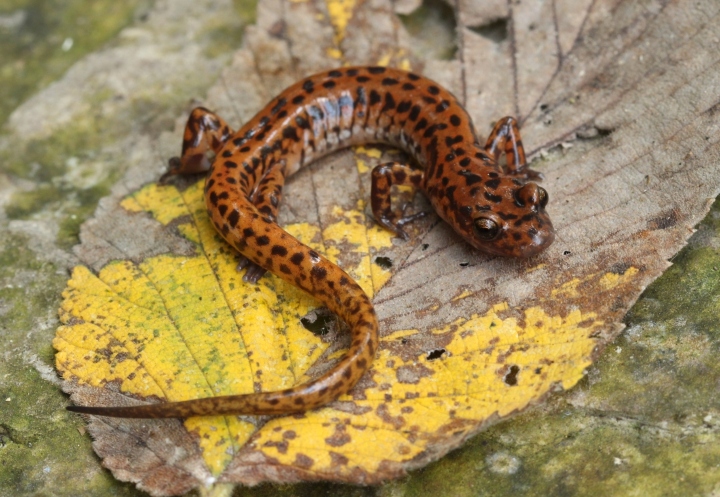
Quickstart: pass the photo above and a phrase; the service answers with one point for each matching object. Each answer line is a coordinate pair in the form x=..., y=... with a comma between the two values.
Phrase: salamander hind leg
x=505, y=137
x=384, y=177
x=266, y=199
x=205, y=134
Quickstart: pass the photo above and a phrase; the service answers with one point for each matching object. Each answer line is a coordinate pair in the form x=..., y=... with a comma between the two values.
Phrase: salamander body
x=490, y=207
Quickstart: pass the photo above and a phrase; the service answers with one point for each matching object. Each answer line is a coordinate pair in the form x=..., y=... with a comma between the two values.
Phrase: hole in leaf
x=511, y=376
x=435, y=354
x=319, y=322
x=383, y=262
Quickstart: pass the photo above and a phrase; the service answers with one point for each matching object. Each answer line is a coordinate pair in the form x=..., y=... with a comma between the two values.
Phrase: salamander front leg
x=384, y=177
x=505, y=137
x=205, y=133
x=266, y=199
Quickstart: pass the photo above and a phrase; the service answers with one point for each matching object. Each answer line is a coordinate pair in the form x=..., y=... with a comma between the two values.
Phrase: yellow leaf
x=182, y=327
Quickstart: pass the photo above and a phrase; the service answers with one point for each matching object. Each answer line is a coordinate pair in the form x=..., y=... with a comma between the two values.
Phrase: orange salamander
x=489, y=206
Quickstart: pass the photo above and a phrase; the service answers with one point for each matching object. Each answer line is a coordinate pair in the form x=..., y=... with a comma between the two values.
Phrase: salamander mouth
x=539, y=241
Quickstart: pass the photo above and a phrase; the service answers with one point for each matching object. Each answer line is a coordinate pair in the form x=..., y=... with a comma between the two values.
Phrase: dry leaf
x=466, y=339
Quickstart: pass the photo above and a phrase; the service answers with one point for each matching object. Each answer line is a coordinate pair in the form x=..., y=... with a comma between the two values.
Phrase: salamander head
x=509, y=220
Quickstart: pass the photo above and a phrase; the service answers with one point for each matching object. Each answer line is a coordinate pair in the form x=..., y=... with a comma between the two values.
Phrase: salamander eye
x=486, y=229
x=544, y=197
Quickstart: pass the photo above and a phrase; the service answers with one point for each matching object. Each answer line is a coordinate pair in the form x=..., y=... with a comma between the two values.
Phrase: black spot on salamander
x=413, y=77
x=414, y=113
x=470, y=178
x=493, y=183
x=233, y=218
x=375, y=97
x=404, y=106
x=298, y=100
x=433, y=90
x=279, y=105
x=352, y=72
x=450, y=141
x=318, y=272
x=297, y=258
x=302, y=122
x=278, y=250
x=329, y=84
x=230, y=180
x=260, y=137
x=376, y=70
x=408, y=86
x=248, y=232
x=290, y=133
x=264, y=121
x=265, y=151
x=245, y=149
x=507, y=216
x=449, y=157
x=455, y=120
x=315, y=112
x=442, y=106
x=493, y=174
x=362, y=79
x=285, y=269
x=429, y=100
x=459, y=152
x=227, y=153
x=230, y=164
x=335, y=74
x=422, y=124
x=389, y=81
x=222, y=209
x=262, y=240
x=431, y=130
x=282, y=113
x=308, y=86
x=389, y=102
x=314, y=256
x=213, y=198
x=493, y=198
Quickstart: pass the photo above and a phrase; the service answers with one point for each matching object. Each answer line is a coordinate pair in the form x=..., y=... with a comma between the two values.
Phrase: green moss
x=47, y=163
x=246, y=10
x=36, y=49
